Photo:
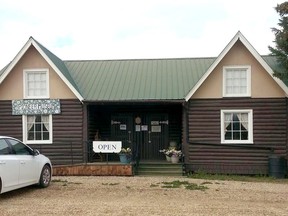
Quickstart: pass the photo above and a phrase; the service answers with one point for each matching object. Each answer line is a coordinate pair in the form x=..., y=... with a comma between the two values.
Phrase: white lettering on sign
x=107, y=146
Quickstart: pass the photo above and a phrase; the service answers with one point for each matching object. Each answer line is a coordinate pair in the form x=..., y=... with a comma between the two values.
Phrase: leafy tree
x=281, y=41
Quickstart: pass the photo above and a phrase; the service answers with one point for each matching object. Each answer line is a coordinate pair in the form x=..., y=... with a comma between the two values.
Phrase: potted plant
x=167, y=154
x=176, y=155
x=125, y=155
x=172, y=154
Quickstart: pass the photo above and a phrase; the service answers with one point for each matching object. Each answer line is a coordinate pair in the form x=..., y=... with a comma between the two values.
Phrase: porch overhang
x=132, y=102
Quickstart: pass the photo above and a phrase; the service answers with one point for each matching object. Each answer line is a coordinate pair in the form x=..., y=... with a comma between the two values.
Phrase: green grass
x=64, y=182
x=59, y=180
x=245, y=178
x=187, y=185
x=193, y=186
x=111, y=184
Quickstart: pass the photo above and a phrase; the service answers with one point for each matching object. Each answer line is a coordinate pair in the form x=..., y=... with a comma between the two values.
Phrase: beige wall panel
x=12, y=87
x=263, y=85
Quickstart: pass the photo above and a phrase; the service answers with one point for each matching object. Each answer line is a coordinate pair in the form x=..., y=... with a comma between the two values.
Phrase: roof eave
x=16, y=59
x=164, y=101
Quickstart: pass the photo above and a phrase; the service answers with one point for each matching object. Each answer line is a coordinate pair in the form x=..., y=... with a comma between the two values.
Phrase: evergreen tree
x=281, y=41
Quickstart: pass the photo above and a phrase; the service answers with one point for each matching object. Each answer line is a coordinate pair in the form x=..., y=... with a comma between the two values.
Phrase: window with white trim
x=36, y=83
x=237, y=81
x=37, y=129
x=237, y=126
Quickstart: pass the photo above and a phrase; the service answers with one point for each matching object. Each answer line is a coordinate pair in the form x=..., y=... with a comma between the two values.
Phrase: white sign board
x=107, y=146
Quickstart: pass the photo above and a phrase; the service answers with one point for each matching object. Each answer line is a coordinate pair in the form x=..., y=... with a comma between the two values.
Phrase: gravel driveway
x=146, y=196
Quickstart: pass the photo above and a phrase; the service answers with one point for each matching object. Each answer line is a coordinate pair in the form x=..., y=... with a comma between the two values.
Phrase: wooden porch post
x=185, y=138
x=85, y=133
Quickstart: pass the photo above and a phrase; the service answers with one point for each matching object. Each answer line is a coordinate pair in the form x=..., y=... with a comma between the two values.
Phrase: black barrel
x=277, y=166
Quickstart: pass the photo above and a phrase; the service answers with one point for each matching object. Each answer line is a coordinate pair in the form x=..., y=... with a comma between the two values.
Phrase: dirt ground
x=146, y=196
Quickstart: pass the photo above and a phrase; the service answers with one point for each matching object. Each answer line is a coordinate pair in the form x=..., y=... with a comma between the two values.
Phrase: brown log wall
x=9, y=125
x=204, y=127
x=68, y=146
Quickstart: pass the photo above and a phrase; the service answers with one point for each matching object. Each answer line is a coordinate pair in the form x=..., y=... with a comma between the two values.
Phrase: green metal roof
x=272, y=62
x=129, y=80
x=134, y=80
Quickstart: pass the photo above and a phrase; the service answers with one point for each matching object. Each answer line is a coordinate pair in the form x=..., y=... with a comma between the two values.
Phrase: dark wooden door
x=145, y=133
x=155, y=137
x=122, y=129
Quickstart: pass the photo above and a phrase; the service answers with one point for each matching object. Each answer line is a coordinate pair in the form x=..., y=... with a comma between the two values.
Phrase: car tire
x=45, y=177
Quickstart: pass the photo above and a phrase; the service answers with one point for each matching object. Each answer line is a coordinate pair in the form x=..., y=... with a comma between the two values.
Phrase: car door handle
x=2, y=162
x=22, y=162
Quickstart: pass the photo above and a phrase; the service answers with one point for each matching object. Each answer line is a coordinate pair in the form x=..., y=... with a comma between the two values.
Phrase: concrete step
x=159, y=169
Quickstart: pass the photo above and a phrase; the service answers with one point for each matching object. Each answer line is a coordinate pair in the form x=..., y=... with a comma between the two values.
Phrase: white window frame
x=25, y=132
x=250, y=127
x=29, y=71
x=248, y=76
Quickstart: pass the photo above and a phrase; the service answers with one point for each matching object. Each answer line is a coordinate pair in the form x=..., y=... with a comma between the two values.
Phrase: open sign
x=107, y=146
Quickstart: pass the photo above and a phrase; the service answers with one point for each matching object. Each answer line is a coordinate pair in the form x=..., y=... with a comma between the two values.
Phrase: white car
x=21, y=166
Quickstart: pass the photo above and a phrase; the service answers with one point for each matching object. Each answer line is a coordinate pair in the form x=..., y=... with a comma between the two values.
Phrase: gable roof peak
x=56, y=63
x=251, y=49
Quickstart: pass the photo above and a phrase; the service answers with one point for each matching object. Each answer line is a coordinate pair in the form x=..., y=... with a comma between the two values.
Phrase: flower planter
x=174, y=159
x=168, y=158
x=125, y=158
x=172, y=154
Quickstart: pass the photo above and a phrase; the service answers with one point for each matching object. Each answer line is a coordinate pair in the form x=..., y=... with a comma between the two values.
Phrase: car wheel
x=45, y=177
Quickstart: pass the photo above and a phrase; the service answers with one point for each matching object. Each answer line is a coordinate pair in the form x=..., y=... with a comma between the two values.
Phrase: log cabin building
x=228, y=114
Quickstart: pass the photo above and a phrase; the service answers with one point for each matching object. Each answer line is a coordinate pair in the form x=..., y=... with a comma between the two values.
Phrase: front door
x=155, y=137
x=145, y=133
x=122, y=129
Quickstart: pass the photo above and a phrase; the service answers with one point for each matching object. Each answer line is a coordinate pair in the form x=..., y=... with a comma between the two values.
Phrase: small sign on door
x=137, y=128
x=144, y=127
x=123, y=127
x=156, y=128
x=154, y=122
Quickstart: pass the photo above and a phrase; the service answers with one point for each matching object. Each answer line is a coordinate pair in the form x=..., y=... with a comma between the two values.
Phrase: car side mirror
x=35, y=152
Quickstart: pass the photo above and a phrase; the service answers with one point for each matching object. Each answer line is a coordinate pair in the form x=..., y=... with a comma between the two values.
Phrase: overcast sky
x=133, y=29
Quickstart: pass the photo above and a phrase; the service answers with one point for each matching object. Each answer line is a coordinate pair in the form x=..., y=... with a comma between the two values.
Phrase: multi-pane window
x=236, y=81
x=38, y=128
x=36, y=83
x=237, y=126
